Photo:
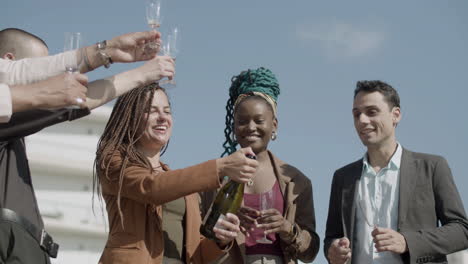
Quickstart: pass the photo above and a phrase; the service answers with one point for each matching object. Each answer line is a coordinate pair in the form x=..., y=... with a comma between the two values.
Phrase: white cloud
x=339, y=39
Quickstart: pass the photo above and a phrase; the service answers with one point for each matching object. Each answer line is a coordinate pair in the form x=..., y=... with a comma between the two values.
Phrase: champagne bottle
x=228, y=200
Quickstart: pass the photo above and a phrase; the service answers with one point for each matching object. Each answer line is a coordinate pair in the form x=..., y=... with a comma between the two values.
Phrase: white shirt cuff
x=6, y=107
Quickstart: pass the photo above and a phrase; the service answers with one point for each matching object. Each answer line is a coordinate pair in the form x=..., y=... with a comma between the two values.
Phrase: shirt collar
x=393, y=164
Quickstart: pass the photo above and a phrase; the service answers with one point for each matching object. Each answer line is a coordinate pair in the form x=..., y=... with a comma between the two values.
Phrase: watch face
x=106, y=58
x=102, y=44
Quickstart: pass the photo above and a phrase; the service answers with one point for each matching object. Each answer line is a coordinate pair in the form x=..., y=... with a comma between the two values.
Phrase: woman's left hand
x=229, y=229
x=130, y=47
x=273, y=222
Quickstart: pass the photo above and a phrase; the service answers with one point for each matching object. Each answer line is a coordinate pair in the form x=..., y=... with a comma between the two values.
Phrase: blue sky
x=318, y=50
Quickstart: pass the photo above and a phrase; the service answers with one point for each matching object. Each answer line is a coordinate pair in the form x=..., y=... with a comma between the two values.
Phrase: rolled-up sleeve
x=27, y=71
x=6, y=108
x=31, y=70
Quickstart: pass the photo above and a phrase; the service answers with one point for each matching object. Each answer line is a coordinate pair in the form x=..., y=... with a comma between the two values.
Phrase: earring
x=274, y=136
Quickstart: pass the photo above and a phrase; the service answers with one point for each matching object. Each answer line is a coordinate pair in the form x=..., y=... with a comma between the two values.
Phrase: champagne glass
x=267, y=200
x=153, y=18
x=171, y=47
x=73, y=41
x=366, y=219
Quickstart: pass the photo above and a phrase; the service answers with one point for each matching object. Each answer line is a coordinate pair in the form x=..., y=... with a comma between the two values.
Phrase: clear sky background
x=317, y=49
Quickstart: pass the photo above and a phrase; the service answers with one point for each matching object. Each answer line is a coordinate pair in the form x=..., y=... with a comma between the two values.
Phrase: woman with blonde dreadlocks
x=153, y=212
x=289, y=225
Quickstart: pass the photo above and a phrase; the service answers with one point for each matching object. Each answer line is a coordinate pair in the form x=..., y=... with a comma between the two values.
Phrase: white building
x=61, y=159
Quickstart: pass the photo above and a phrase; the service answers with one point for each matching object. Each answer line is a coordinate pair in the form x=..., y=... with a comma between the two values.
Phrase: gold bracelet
x=86, y=60
x=292, y=234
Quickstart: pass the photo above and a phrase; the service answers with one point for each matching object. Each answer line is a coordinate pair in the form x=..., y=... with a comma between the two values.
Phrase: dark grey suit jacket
x=431, y=216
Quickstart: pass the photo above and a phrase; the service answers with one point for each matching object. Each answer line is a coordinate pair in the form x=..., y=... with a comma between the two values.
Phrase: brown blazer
x=140, y=239
x=298, y=208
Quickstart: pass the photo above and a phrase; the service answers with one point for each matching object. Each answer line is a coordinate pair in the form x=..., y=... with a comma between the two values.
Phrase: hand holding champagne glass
x=153, y=18
x=73, y=41
x=171, y=48
x=267, y=201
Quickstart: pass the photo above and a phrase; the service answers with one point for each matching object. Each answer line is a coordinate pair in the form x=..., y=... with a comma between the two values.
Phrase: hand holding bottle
x=238, y=166
x=226, y=229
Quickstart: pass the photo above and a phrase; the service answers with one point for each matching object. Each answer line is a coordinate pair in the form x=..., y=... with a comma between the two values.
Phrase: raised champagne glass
x=171, y=47
x=153, y=18
x=73, y=41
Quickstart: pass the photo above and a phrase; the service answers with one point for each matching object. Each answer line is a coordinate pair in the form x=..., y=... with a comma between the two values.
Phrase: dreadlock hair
x=121, y=135
x=260, y=83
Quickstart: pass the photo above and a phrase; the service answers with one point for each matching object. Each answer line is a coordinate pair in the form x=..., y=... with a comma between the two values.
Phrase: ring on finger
x=79, y=100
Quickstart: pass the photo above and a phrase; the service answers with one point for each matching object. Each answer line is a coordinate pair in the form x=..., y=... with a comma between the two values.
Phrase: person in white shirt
x=23, y=61
x=393, y=205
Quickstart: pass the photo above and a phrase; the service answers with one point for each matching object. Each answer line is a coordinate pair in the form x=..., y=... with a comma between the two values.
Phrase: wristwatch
x=101, y=46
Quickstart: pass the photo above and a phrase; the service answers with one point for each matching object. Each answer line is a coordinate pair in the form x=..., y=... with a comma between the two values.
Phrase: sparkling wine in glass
x=153, y=18
x=73, y=41
x=171, y=47
x=267, y=200
x=364, y=209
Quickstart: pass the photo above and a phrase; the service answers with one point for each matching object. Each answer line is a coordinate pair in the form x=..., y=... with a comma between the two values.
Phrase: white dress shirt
x=26, y=71
x=377, y=205
x=6, y=108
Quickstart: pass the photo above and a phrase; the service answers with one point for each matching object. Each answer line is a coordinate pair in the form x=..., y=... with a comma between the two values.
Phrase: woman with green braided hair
x=251, y=121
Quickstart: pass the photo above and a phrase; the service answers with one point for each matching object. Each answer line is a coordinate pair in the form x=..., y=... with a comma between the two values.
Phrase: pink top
x=251, y=246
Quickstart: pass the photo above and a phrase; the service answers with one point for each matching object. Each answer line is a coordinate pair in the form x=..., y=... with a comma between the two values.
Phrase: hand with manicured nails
x=157, y=68
x=228, y=229
x=339, y=251
x=273, y=222
x=238, y=166
x=130, y=47
x=247, y=217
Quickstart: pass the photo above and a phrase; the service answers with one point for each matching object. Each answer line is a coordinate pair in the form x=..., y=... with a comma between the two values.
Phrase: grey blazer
x=431, y=216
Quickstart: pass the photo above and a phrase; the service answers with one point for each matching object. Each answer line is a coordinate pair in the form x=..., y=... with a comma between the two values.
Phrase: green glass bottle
x=228, y=200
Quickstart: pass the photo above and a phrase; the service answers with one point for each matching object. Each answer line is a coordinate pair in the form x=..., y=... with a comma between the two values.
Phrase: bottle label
x=218, y=225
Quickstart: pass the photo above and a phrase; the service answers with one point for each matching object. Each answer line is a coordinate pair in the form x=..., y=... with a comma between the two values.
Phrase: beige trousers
x=264, y=259
x=172, y=261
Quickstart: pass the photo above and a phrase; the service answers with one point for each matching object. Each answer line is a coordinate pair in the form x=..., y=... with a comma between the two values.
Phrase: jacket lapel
x=282, y=179
x=407, y=183
x=348, y=207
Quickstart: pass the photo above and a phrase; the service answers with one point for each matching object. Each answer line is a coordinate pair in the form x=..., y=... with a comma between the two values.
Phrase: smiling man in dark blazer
x=393, y=205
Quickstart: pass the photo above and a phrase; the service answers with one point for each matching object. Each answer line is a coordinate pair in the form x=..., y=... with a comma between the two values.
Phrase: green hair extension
x=260, y=80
